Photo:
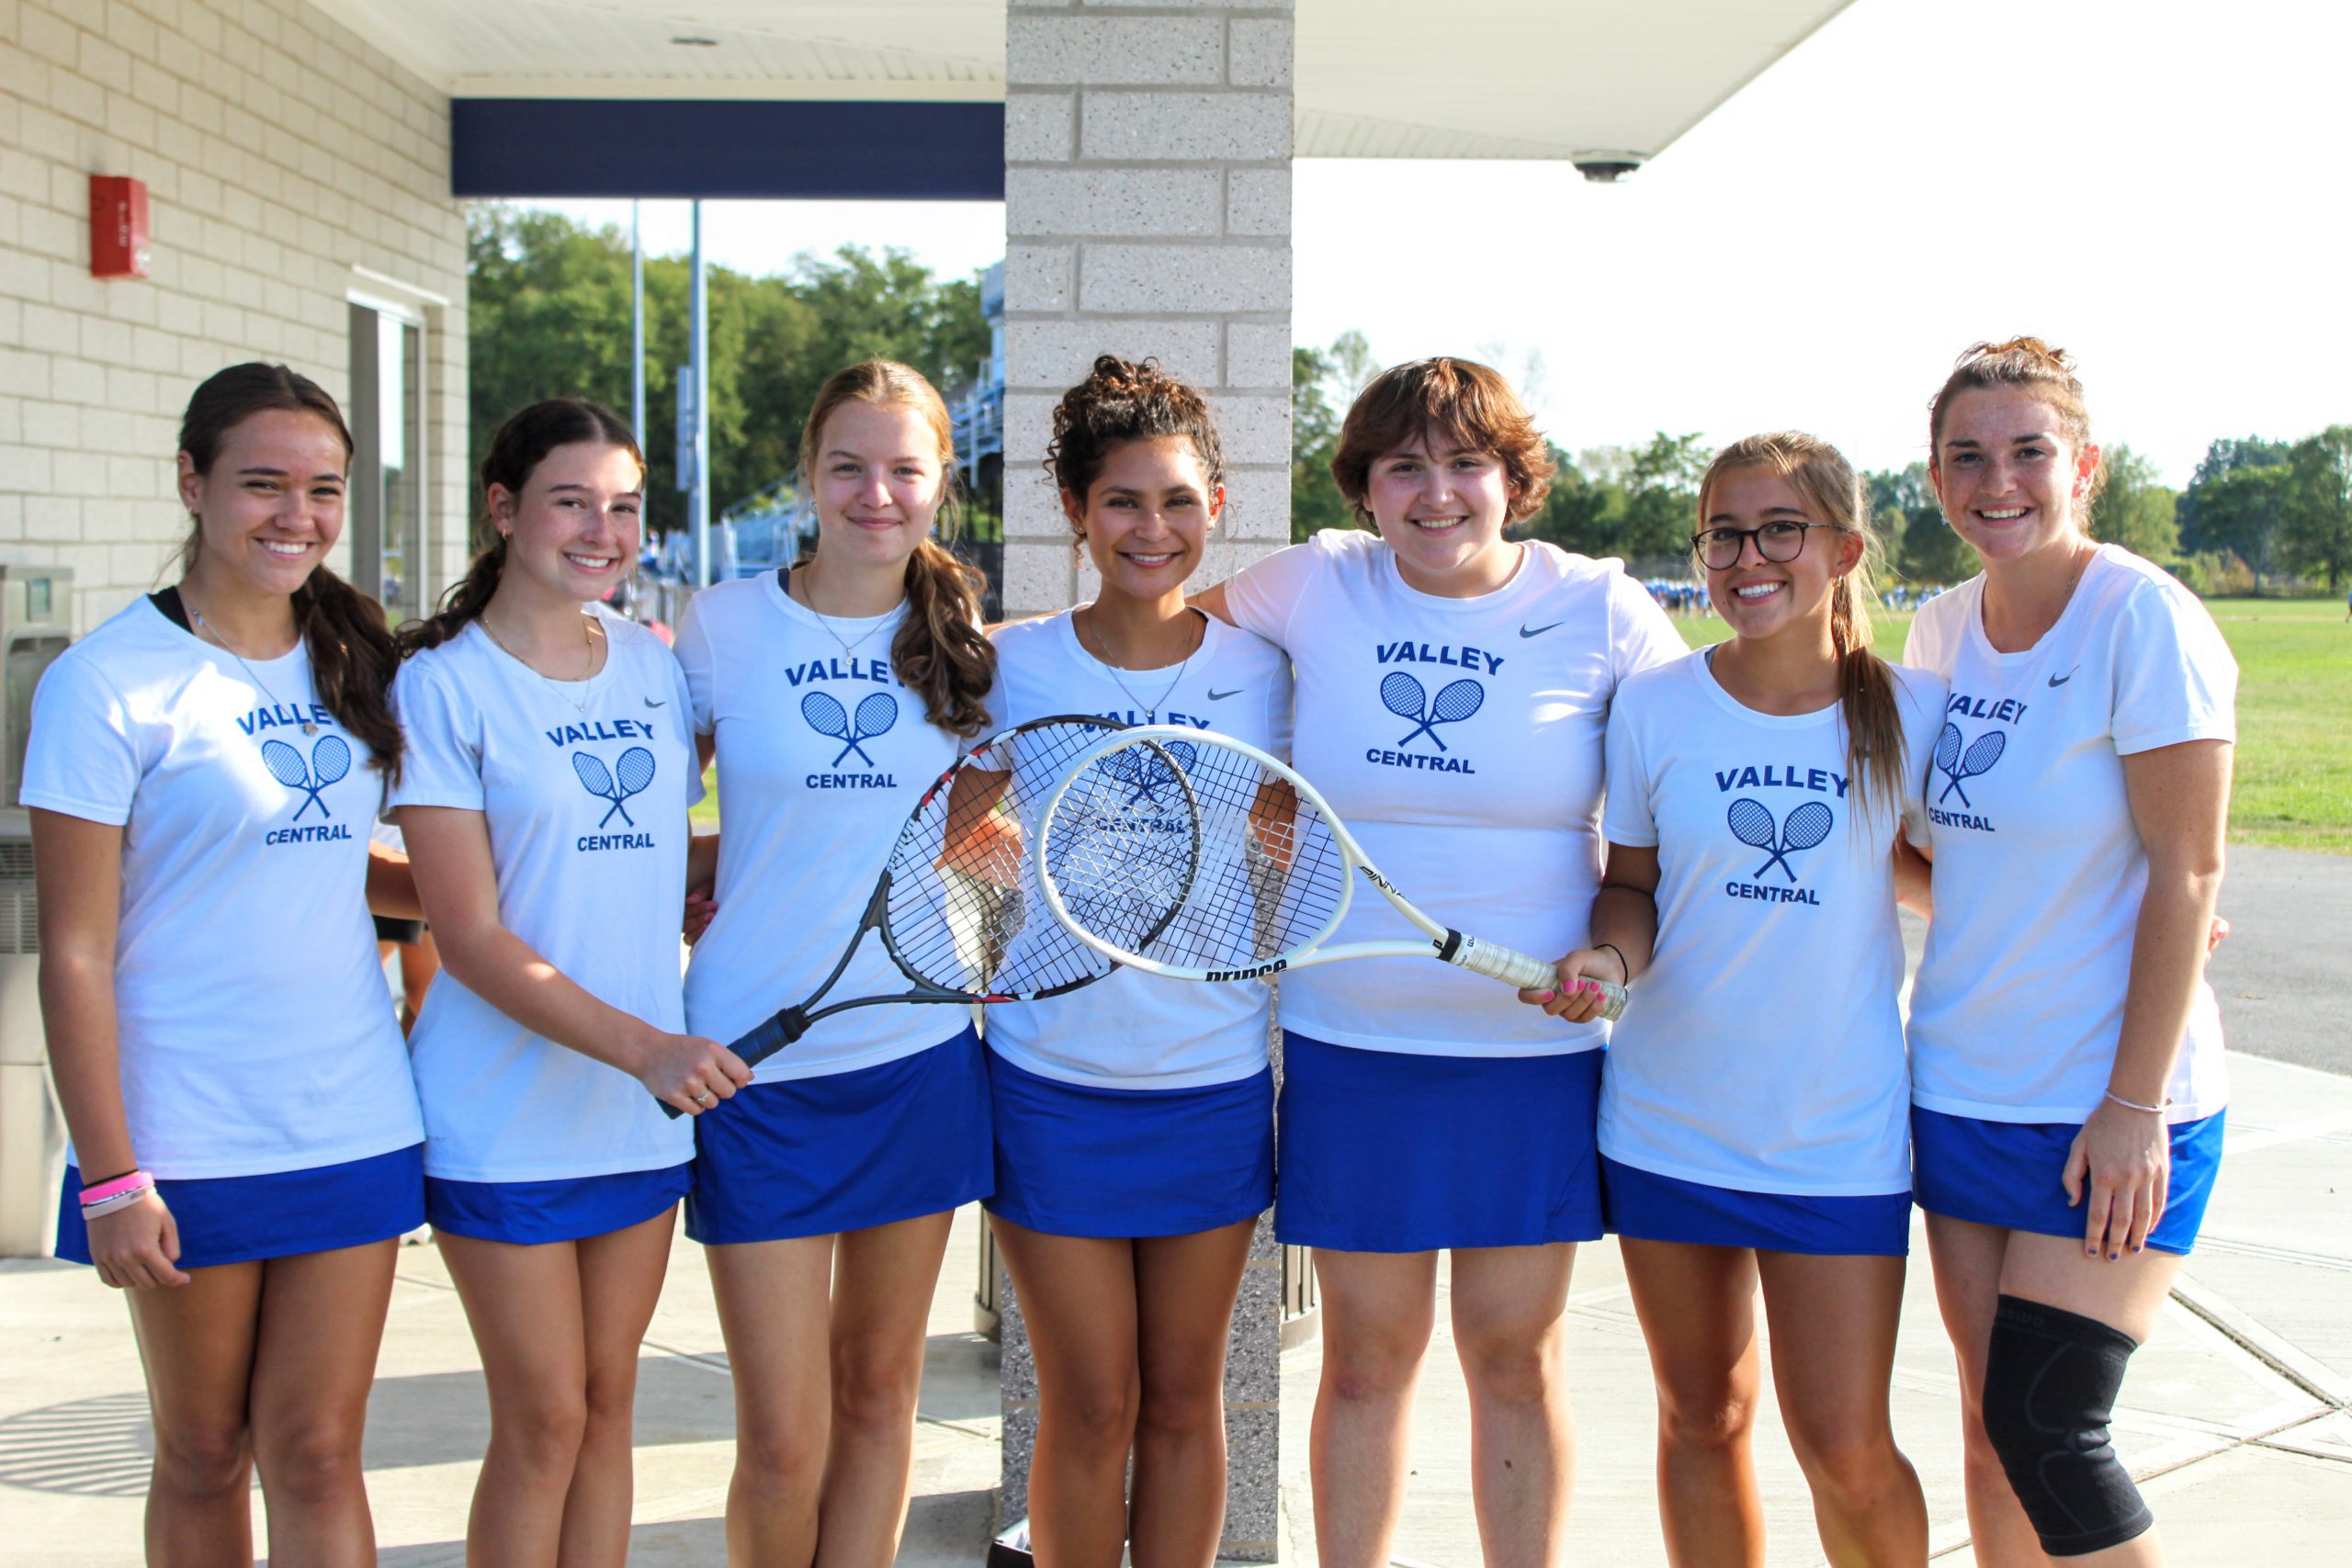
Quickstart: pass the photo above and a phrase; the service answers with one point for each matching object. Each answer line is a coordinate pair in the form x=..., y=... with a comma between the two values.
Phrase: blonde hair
x=940, y=652
x=1833, y=493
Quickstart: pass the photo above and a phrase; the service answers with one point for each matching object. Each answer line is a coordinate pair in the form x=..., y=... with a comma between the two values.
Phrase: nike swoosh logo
x=652, y=703
x=1539, y=631
x=2061, y=680
x=1220, y=696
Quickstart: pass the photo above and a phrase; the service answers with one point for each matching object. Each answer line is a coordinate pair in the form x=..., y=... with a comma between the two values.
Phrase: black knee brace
x=2049, y=1394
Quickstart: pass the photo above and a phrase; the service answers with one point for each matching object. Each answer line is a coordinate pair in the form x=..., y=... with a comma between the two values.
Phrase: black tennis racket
x=957, y=907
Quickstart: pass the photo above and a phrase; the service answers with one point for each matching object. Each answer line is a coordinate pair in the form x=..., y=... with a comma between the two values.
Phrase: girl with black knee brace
x=2067, y=1084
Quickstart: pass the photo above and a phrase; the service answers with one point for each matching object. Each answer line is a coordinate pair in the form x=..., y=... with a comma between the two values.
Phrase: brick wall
x=280, y=151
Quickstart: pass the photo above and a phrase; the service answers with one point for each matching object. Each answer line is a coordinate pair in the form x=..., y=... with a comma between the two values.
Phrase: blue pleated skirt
x=1079, y=1159
x=242, y=1219
x=847, y=1151
x=1385, y=1152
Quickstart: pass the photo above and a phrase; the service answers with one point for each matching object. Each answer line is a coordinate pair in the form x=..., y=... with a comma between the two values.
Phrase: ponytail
x=939, y=651
x=465, y=601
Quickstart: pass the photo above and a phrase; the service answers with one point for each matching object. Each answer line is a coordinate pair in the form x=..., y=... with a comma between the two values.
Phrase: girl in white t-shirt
x=2067, y=1082
x=1453, y=688
x=551, y=764
x=834, y=693
x=202, y=769
x=1756, y=794
x=1135, y=1119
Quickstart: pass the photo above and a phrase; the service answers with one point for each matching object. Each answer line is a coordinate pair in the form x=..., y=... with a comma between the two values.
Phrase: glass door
x=387, y=414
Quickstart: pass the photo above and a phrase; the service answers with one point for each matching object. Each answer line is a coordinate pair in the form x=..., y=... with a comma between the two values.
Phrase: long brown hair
x=350, y=645
x=940, y=651
x=1830, y=488
x=521, y=445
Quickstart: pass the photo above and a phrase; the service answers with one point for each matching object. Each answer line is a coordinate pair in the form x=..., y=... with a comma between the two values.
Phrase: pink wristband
x=120, y=1184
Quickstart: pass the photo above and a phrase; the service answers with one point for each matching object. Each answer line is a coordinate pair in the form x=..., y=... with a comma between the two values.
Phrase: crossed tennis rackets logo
x=1404, y=695
x=1960, y=766
x=330, y=764
x=1143, y=769
x=1753, y=823
x=826, y=715
x=625, y=780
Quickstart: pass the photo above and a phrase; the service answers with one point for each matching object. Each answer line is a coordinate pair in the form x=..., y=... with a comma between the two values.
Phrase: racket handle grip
x=1528, y=973
x=760, y=1044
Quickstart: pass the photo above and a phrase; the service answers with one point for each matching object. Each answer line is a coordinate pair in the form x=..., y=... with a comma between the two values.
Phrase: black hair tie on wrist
x=1623, y=968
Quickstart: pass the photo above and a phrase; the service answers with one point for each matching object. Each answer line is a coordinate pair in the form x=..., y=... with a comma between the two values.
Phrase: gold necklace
x=587, y=634
x=204, y=629
x=809, y=602
x=1152, y=710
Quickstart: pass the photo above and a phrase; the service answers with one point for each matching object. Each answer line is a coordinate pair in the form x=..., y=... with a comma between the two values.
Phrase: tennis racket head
x=284, y=765
x=593, y=777
x=962, y=912
x=1751, y=822
x=1983, y=752
x=1947, y=749
x=1806, y=825
x=634, y=770
x=1401, y=695
x=1249, y=873
x=875, y=715
x=330, y=761
x=1457, y=700
x=825, y=714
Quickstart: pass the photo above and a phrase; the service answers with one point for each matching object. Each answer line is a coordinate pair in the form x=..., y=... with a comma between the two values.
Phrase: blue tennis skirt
x=1078, y=1159
x=2007, y=1174
x=1647, y=1206
x=1385, y=1152
x=530, y=1214
x=242, y=1219
x=847, y=1151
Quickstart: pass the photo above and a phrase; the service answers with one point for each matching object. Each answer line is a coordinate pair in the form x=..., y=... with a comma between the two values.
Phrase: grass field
x=2294, y=764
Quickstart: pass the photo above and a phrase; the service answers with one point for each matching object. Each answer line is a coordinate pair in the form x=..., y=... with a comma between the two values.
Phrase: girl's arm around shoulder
x=1262, y=596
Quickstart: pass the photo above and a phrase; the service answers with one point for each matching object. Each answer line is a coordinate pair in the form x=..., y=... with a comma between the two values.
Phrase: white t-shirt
x=585, y=786
x=2019, y=1003
x=1460, y=740
x=254, y=1032
x=821, y=756
x=1763, y=1050
x=1131, y=1029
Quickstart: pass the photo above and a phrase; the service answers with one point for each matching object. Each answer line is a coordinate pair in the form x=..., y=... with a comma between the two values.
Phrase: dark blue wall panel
x=726, y=149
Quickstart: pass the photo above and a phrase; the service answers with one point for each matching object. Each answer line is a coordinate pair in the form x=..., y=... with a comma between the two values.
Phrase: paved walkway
x=2235, y=1416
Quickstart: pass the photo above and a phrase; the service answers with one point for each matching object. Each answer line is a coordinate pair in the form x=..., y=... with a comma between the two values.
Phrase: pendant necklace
x=849, y=647
x=1151, y=709
x=205, y=631
x=579, y=702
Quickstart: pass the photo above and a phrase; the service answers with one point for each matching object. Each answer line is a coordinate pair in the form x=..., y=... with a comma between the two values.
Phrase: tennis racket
x=956, y=907
x=1240, y=871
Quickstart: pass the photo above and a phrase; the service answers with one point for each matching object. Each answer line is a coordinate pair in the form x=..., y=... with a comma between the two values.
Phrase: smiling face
x=2008, y=480
x=1146, y=518
x=1442, y=510
x=1761, y=598
x=572, y=532
x=271, y=506
x=878, y=481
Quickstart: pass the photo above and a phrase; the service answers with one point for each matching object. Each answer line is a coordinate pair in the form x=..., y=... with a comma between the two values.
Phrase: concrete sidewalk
x=2235, y=1421
x=75, y=1443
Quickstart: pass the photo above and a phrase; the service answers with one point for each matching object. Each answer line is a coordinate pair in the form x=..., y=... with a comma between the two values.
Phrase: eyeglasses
x=1776, y=541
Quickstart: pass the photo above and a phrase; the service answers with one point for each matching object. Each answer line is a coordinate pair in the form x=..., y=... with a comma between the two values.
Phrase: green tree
x=2240, y=510
x=2204, y=530
x=2315, y=524
x=1661, y=496
x=2133, y=509
x=1914, y=536
x=1323, y=382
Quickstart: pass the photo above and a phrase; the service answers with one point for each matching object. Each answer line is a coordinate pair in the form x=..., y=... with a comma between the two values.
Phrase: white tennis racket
x=1187, y=854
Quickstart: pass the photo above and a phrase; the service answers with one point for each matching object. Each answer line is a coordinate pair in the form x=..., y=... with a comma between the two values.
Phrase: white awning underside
x=1375, y=78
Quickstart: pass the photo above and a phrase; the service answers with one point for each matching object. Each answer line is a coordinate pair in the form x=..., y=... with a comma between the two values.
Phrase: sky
x=2156, y=185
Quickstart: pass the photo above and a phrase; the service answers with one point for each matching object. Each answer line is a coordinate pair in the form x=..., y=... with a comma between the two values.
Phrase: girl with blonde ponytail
x=1757, y=794
x=833, y=691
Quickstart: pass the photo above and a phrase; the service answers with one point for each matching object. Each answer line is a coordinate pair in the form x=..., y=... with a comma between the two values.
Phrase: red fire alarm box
x=117, y=227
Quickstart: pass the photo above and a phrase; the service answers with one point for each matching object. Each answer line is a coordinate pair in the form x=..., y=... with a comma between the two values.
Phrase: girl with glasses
x=1756, y=794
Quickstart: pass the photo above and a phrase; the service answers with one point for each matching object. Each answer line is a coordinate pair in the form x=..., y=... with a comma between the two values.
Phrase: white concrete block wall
x=280, y=151
x=1148, y=174
x=1146, y=212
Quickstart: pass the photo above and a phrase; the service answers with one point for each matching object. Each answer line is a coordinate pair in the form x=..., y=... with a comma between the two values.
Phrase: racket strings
x=1230, y=868
x=965, y=913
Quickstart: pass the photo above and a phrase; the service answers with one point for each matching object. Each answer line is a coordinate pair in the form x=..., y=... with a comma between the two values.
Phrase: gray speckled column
x=1148, y=147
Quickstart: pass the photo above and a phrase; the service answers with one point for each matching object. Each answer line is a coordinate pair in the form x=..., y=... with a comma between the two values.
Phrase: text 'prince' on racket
x=1233, y=869
x=956, y=907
